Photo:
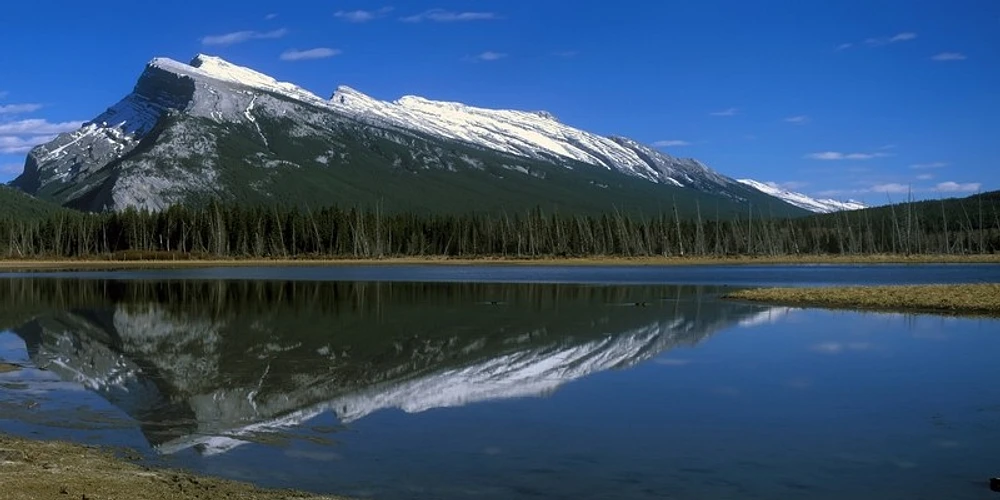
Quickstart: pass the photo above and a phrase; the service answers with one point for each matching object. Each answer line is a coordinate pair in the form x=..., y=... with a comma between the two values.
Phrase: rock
x=995, y=484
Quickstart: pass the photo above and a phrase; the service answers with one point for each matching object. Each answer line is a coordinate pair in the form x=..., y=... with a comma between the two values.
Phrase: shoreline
x=973, y=300
x=113, y=264
x=53, y=469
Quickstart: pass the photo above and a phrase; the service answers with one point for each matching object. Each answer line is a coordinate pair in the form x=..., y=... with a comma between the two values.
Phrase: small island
x=980, y=299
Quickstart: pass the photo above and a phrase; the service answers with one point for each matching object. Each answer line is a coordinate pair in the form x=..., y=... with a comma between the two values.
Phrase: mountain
x=189, y=133
x=822, y=206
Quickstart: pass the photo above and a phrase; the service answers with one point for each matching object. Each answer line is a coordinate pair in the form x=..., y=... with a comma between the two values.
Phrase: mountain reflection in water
x=215, y=364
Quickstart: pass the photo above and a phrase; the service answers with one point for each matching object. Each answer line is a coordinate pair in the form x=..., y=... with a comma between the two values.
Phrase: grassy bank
x=38, y=469
x=117, y=262
x=967, y=299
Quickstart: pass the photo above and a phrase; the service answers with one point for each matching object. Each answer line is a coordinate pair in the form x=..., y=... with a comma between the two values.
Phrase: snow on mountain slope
x=533, y=134
x=800, y=200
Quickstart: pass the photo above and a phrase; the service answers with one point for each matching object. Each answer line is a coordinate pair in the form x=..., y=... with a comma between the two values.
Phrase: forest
x=955, y=226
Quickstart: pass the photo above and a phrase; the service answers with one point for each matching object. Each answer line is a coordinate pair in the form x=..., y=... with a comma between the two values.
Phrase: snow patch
x=800, y=200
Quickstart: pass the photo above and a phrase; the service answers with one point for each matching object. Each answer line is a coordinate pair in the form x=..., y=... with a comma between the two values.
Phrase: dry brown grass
x=42, y=470
x=130, y=262
x=968, y=299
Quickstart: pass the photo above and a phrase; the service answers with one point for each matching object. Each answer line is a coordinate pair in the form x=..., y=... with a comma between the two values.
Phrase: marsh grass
x=981, y=299
x=43, y=469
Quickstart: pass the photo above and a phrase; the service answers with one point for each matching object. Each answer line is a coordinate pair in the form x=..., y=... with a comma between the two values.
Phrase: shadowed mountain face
x=212, y=365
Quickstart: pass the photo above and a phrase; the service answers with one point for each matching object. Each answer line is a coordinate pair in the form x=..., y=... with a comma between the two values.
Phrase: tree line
x=232, y=231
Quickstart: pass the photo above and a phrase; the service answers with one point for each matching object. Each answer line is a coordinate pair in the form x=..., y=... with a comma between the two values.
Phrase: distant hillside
x=980, y=211
x=14, y=203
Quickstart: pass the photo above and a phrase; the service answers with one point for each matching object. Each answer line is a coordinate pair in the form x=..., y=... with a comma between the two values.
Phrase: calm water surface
x=495, y=388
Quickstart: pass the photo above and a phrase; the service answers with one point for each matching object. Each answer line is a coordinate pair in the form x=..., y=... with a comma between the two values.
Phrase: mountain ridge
x=213, y=129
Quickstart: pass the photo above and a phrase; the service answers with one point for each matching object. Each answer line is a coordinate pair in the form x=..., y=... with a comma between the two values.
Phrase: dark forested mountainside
x=14, y=203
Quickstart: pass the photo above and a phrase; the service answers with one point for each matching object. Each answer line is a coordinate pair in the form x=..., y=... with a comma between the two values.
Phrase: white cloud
x=891, y=187
x=243, y=36
x=447, y=16
x=798, y=120
x=20, y=145
x=489, y=56
x=726, y=112
x=671, y=143
x=305, y=55
x=886, y=40
x=270, y=17
x=903, y=37
x=38, y=126
x=362, y=16
x=955, y=187
x=925, y=166
x=834, y=155
x=844, y=46
x=12, y=169
x=925, y=177
x=14, y=109
x=950, y=56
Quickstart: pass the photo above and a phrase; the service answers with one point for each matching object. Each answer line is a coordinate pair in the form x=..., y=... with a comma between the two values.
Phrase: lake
x=510, y=382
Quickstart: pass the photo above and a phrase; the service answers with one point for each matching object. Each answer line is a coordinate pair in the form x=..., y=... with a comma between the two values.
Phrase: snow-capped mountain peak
x=216, y=68
x=818, y=205
x=211, y=98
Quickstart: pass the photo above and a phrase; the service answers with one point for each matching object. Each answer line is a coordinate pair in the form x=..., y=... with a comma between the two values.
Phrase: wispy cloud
x=925, y=166
x=949, y=56
x=362, y=16
x=671, y=143
x=925, y=177
x=836, y=156
x=19, y=145
x=886, y=40
x=20, y=136
x=243, y=36
x=955, y=187
x=891, y=188
x=448, y=16
x=798, y=120
x=16, y=109
x=566, y=53
x=880, y=41
x=488, y=56
x=270, y=17
x=12, y=169
x=38, y=127
x=309, y=54
x=726, y=112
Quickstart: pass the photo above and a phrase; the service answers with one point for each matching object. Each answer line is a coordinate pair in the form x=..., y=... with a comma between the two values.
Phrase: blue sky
x=849, y=99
